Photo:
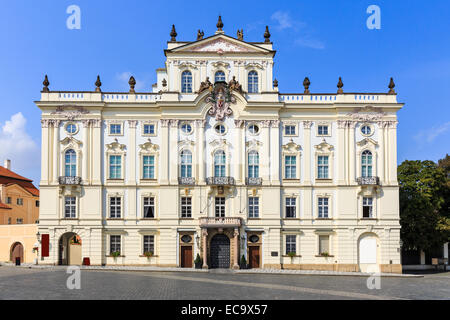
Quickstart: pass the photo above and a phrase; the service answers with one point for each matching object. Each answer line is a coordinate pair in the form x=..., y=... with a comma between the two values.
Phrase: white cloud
x=310, y=43
x=18, y=146
x=284, y=20
x=429, y=135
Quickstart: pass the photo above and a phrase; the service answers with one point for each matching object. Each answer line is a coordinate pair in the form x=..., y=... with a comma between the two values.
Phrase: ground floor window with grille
x=253, y=207
x=114, y=244
x=115, y=207
x=323, y=207
x=70, y=207
x=367, y=207
x=291, y=243
x=149, y=244
x=324, y=245
x=220, y=207
x=186, y=207
x=149, y=207
x=290, y=208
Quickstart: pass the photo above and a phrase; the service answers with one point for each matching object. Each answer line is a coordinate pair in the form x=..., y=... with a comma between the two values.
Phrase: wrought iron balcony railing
x=368, y=181
x=220, y=181
x=223, y=222
x=186, y=181
x=69, y=180
x=253, y=181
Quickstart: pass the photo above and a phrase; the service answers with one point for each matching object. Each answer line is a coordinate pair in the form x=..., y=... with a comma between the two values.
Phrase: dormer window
x=186, y=82
x=220, y=76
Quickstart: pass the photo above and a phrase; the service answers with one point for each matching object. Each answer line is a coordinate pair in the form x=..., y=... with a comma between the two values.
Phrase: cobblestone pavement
x=26, y=283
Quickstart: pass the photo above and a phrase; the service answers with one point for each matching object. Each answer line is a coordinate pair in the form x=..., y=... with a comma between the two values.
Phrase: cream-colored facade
x=221, y=168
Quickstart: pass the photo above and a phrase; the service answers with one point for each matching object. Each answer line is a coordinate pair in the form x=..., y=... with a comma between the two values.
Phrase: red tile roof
x=4, y=206
x=8, y=177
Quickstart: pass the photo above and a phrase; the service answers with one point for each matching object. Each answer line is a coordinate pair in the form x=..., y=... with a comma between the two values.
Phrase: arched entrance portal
x=220, y=251
x=69, y=249
x=17, y=252
x=368, y=253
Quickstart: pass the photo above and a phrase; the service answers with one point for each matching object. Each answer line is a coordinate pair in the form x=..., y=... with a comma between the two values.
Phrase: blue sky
x=319, y=39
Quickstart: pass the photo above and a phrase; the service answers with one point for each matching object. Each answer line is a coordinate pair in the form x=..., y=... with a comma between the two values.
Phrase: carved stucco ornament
x=366, y=114
x=220, y=99
x=70, y=114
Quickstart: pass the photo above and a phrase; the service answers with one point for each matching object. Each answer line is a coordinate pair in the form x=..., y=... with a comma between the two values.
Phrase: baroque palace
x=216, y=162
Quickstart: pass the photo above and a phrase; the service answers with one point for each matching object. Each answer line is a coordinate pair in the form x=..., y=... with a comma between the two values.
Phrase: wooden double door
x=186, y=256
x=254, y=257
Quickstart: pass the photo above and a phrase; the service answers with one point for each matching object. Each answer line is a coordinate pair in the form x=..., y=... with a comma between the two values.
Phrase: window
x=322, y=130
x=253, y=164
x=8, y=200
x=115, y=207
x=366, y=130
x=220, y=128
x=220, y=207
x=322, y=167
x=19, y=202
x=366, y=164
x=186, y=82
x=252, y=82
x=114, y=244
x=186, y=207
x=289, y=130
x=115, y=167
x=115, y=128
x=367, y=207
x=149, y=129
x=290, y=167
x=323, y=207
x=219, y=164
x=186, y=164
x=70, y=209
x=186, y=128
x=324, y=244
x=71, y=128
x=19, y=221
x=291, y=243
x=148, y=167
x=253, y=207
x=149, y=244
x=37, y=203
x=149, y=207
x=253, y=129
x=290, y=207
x=70, y=163
x=9, y=220
x=220, y=76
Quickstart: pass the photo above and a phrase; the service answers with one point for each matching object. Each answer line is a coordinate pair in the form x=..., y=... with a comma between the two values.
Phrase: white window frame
x=286, y=243
x=253, y=208
x=121, y=206
x=149, y=204
x=153, y=242
x=187, y=206
x=221, y=206
x=110, y=243
x=149, y=123
x=295, y=206
x=73, y=207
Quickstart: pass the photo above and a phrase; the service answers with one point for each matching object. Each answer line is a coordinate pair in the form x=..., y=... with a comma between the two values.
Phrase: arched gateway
x=17, y=252
x=70, y=249
x=220, y=251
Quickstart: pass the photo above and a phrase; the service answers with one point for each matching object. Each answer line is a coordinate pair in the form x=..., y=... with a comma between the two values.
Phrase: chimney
x=8, y=164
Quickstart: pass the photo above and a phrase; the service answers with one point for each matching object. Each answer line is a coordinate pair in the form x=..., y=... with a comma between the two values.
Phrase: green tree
x=444, y=224
x=421, y=199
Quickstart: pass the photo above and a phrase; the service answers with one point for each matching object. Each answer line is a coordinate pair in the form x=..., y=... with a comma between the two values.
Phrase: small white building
x=217, y=162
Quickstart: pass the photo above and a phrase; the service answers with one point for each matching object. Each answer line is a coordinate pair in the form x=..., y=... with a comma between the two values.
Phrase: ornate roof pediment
x=220, y=44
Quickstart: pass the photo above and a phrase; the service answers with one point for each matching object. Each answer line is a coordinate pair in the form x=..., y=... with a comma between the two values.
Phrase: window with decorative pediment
x=149, y=160
x=186, y=82
x=291, y=161
x=253, y=82
x=70, y=163
x=186, y=164
x=70, y=157
x=324, y=157
x=367, y=158
x=115, y=154
x=220, y=161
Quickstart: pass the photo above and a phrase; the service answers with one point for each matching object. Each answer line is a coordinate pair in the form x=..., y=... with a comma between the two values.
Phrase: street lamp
x=36, y=247
x=197, y=240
